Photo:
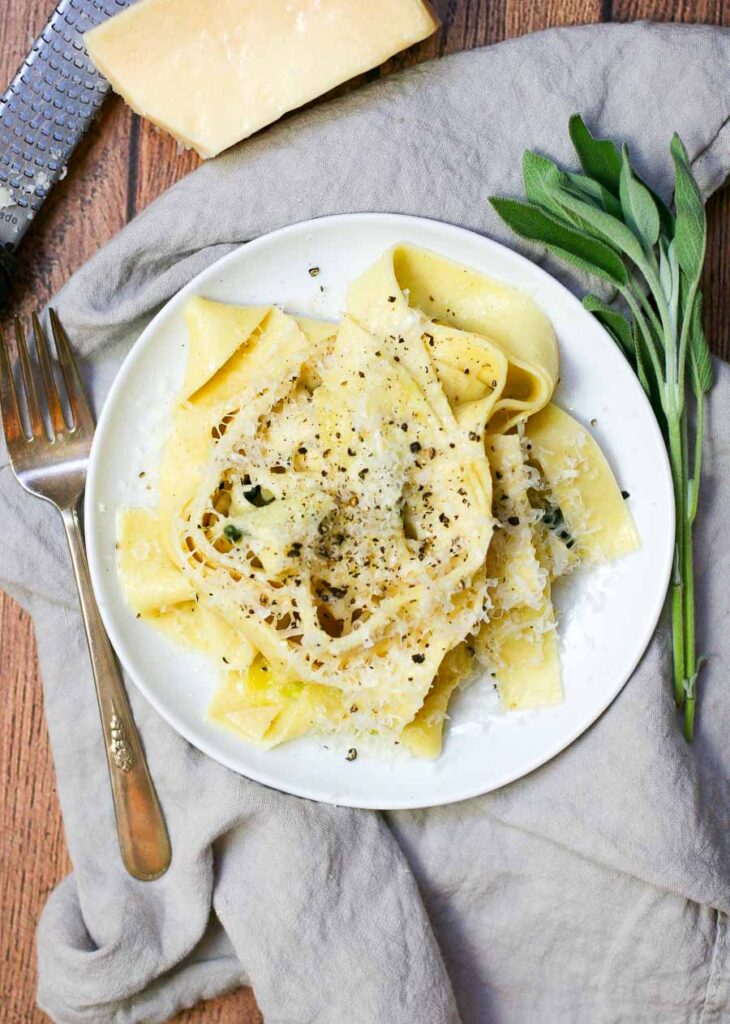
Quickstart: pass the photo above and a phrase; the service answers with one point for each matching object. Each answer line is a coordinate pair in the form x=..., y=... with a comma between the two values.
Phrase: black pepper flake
x=313, y=271
x=351, y=452
x=351, y=754
x=443, y=518
x=361, y=374
x=302, y=450
x=418, y=658
x=404, y=426
x=514, y=520
x=415, y=447
x=391, y=298
x=625, y=495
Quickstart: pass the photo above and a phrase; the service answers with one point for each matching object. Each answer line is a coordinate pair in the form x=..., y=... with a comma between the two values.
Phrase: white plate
x=607, y=616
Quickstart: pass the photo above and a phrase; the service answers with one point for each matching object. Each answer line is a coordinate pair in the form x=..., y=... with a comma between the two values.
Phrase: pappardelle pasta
x=354, y=517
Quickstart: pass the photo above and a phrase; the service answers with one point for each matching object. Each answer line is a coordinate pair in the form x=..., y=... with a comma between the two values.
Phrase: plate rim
x=91, y=526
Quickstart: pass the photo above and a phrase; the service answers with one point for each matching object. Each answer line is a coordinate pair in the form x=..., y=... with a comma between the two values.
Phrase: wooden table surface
x=120, y=167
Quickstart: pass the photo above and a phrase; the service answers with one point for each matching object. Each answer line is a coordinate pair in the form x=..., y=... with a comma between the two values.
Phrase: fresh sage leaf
x=641, y=361
x=587, y=188
x=599, y=158
x=542, y=180
x=690, y=232
x=700, y=357
x=666, y=217
x=581, y=250
x=675, y=293
x=639, y=209
x=606, y=228
x=615, y=323
x=665, y=270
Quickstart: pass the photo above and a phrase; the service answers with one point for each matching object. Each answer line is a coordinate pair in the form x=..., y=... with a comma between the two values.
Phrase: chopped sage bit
x=351, y=754
x=552, y=518
x=232, y=532
x=258, y=497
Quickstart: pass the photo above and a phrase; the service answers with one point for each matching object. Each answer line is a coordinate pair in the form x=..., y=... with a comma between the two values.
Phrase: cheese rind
x=212, y=72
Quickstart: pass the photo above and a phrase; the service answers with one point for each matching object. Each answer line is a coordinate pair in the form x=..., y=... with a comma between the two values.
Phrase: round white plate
x=606, y=616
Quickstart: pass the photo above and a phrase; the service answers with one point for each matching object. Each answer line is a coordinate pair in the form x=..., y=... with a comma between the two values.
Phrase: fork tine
x=49, y=381
x=31, y=395
x=8, y=396
x=80, y=409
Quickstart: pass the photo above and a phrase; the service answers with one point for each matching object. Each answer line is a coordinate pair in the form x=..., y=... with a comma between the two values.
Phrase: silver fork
x=50, y=462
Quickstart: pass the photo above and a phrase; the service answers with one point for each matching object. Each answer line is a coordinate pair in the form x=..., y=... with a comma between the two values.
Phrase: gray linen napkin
x=596, y=889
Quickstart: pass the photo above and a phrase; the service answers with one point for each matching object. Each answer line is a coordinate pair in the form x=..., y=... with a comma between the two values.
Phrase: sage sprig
x=609, y=224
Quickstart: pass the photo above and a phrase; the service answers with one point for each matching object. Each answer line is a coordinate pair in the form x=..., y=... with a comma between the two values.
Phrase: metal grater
x=43, y=114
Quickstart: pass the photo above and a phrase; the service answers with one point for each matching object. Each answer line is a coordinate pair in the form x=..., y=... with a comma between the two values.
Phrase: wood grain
x=120, y=168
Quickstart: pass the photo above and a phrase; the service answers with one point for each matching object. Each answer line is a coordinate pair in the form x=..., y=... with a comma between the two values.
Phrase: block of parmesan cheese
x=212, y=72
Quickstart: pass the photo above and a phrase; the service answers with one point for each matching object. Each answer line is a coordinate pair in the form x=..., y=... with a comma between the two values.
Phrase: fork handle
x=143, y=839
